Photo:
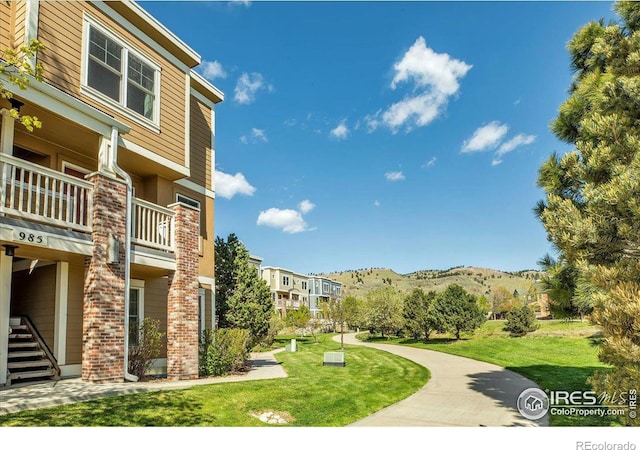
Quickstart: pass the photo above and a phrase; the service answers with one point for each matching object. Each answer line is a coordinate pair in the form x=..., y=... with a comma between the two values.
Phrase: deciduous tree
x=16, y=66
x=382, y=311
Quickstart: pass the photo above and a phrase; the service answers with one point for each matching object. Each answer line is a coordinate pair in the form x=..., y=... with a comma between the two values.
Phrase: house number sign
x=29, y=237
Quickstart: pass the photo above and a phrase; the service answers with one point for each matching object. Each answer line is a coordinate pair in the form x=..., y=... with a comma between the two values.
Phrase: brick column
x=104, y=287
x=182, y=300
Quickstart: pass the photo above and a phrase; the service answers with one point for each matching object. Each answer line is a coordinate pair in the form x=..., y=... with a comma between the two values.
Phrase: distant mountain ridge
x=476, y=280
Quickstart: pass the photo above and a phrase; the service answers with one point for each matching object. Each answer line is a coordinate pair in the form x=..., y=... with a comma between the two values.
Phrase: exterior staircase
x=29, y=358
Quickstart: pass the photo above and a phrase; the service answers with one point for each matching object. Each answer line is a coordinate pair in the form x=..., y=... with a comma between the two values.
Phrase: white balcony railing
x=152, y=225
x=37, y=193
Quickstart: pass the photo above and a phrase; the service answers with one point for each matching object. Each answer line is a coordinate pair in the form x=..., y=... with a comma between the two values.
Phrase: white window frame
x=138, y=285
x=285, y=280
x=120, y=106
x=201, y=302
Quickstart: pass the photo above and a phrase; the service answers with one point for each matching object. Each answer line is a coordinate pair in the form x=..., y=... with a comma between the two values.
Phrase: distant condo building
x=322, y=289
x=290, y=290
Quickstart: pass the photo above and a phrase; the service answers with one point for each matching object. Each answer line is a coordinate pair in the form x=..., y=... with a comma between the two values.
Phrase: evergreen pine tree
x=592, y=206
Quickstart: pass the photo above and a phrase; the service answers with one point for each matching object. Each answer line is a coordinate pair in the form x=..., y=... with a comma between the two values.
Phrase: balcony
x=152, y=225
x=38, y=194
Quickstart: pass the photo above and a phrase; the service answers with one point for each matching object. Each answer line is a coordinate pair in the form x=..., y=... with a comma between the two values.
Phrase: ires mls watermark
x=534, y=403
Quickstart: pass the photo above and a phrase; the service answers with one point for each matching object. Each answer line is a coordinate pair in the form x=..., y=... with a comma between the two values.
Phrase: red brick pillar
x=103, y=308
x=182, y=301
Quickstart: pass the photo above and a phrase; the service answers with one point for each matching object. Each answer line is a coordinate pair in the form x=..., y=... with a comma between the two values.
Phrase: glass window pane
x=134, y=318
x=104, y=80
x=104, y=49
x=141, y=73
x=140, y=101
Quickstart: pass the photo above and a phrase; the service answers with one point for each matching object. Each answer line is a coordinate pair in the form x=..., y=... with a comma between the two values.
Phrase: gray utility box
x=334, y=359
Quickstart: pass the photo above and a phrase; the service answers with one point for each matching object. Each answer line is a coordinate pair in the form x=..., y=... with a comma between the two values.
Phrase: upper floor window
x=120, y=74
x=285, y=281
x=304, y=285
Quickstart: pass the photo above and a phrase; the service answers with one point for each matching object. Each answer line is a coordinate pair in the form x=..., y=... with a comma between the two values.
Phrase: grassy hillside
x=476, y=280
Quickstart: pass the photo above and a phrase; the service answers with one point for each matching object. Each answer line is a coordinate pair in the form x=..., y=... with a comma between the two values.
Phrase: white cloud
x=289, y=220
x=247, y=86
x=376, y=203
x=430, y=163
x=306, y=206
x=212, y=70
x=246, y=3
x=430, y=69
x=227, y=186
x=341, y=131
x=257, y=135
x=435, y=77
x=485, y=137
x=510, y=145
x=394, y=176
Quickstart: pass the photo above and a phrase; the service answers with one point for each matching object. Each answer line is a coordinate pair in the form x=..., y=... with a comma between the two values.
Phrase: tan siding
x=74, y=313
x=200, y=143
x=5, y=25
x=155, y=304
x=20, y=23
x=61, y=32
x=33, y=295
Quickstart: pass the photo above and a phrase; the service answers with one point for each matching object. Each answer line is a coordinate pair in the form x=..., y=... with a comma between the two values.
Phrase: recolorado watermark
x=588, y=445
x=534, y=403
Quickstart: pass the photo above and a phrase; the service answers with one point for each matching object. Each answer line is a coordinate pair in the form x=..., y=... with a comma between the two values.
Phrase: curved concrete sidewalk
x=461, y=392
x=54, y=393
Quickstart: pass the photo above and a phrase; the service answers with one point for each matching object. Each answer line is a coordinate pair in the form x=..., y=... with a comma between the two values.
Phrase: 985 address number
x=32, y=238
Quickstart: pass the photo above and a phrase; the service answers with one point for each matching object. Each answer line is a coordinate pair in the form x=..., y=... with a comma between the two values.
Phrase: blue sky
x=405, y=135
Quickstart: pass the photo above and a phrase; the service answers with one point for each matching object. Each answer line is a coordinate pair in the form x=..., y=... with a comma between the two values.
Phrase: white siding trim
x=201, y=306
x=211, y=281
x=135, y=148
x=62, y=297
x=5, y=310
x=213, y=151
x=102, y=6
x=7, y=132
x=162, y=29
x=202, y=98
x=187, y=122
x=71, y=370
x=55, y=100
x=31, y=25
x=56, y=242
x=196, y=188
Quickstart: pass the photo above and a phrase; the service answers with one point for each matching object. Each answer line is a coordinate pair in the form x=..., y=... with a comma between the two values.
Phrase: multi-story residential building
x=106, y=212
x=256, y=262
x=289, y=289
x=322, y=289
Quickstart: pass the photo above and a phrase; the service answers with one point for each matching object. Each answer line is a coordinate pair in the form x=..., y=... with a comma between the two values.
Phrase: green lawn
x=559, y=355
x=312, y=395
